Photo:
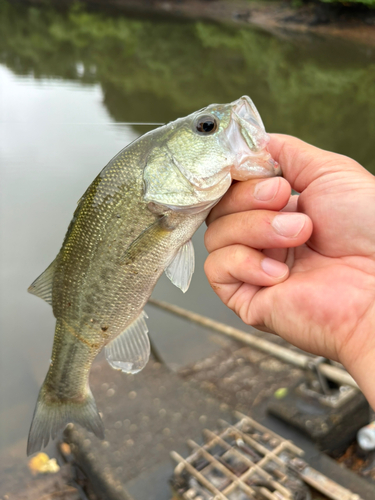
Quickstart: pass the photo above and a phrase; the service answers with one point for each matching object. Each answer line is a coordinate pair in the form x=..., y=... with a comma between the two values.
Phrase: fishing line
x=83, y=123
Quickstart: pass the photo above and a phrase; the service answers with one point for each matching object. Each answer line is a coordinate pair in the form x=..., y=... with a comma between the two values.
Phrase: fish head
x=196, y=158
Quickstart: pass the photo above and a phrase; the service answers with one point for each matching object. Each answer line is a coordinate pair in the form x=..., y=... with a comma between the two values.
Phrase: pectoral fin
x=181, y=269
x=142, y=245
x=129, y=352
x=42, y=286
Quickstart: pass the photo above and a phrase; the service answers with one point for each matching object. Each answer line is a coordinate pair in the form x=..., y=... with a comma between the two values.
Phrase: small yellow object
x=281, y=393
x=65, y=449
x=42, y=464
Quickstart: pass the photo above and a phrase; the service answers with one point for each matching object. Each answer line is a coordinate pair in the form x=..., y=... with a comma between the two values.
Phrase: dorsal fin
x=42, y=286
x=181, y=269
x=129, y=352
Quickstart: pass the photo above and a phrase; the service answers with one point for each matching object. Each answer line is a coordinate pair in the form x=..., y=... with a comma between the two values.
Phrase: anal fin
x=181, y=269
x=42, y=286
x=129, y=352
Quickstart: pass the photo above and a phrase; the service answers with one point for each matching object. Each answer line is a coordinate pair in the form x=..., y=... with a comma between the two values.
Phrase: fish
x=134, y=222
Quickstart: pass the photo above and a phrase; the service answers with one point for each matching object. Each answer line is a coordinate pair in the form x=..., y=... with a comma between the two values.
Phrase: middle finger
x=259, y=229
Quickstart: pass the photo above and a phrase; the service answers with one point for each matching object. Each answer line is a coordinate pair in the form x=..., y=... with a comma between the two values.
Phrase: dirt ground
x=352, y=23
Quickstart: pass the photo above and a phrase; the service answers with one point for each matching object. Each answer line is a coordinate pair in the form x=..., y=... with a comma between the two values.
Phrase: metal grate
x=247, y=461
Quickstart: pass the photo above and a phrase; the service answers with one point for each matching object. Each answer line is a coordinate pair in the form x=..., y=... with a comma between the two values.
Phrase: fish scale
x=134, y=221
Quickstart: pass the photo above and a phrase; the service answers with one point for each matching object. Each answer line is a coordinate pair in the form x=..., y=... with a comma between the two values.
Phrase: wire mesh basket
x=247, y=461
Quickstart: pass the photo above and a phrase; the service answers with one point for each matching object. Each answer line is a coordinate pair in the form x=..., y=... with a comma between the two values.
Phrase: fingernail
x=289, y=225
x=274, y=268
x=266, y=190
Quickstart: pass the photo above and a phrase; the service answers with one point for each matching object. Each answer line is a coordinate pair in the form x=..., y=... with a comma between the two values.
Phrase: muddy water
x=69, y=81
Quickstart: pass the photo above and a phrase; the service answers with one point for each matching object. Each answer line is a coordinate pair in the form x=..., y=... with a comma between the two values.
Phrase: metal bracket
x=327, y=396
x=248, y=459
x=320, y=482
x=313, y=366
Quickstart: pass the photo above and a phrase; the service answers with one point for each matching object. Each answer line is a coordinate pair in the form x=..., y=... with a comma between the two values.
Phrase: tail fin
x=50, y=417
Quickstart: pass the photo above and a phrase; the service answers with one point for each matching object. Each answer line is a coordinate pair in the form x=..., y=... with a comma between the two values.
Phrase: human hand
x=323, y=299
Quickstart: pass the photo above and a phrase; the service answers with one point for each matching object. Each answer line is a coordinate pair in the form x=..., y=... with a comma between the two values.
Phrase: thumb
x=302, y=163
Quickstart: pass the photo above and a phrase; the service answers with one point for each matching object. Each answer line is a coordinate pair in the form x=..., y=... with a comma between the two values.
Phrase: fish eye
x=206, y=124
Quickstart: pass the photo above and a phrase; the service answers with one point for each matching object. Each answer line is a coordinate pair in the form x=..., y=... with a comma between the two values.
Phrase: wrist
x=360, y=361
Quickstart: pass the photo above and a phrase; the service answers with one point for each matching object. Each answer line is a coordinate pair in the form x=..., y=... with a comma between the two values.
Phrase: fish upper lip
x=248, y=140
x=245, y=107
x=245, y=114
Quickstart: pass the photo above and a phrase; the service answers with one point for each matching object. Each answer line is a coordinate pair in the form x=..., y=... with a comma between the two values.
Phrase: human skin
x=323, y=298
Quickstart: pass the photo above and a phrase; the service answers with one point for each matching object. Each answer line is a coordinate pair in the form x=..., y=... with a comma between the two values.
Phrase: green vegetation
x=347, y=3
x=157, y=70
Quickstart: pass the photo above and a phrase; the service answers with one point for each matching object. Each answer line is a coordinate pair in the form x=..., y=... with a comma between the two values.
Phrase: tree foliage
x=156, y=70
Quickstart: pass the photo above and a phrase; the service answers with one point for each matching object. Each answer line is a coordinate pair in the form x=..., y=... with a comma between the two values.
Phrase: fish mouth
x=248, y=141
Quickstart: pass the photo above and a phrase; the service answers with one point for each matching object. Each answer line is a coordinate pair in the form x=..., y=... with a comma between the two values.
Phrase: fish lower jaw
x=255, y=167
x=197, y=208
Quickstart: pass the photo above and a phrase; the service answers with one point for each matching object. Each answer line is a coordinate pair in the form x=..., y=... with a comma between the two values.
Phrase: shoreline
x=356, y=24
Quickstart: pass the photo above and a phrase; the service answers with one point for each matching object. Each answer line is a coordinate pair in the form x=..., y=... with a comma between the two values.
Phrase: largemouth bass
x=135, y=221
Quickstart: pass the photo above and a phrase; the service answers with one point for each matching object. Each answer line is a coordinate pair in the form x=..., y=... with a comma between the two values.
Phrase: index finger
x=254, y=194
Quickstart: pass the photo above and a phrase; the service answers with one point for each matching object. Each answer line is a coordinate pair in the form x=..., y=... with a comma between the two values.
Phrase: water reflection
x=151, y=70
x=48, y=157
x=68, y=78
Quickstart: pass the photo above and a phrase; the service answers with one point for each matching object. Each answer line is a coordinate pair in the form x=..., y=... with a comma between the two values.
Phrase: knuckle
x=206, y=266
x=214, y=271
x=235, y=254
x=209, y=268
x=206, y=239
x=209, y=238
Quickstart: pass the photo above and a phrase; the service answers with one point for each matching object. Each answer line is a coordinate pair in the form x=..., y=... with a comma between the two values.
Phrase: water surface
x=68, y=82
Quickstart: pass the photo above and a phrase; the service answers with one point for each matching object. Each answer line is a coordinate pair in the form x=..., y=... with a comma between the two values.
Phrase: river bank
x=353, y=22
